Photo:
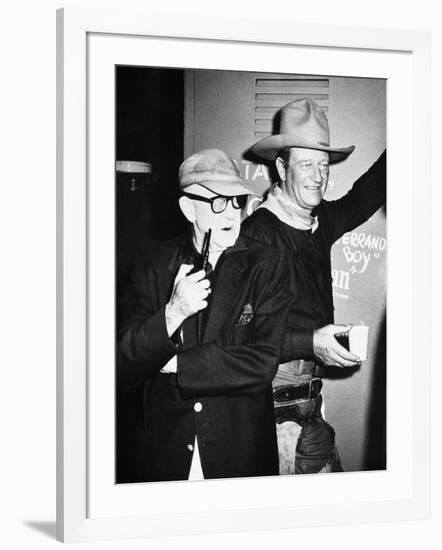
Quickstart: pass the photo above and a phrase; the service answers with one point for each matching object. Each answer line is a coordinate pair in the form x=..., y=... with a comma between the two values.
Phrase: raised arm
x=365, y=197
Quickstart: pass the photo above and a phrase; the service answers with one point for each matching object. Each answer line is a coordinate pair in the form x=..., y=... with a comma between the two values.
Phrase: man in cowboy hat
x=295, y=219
x=208, y=341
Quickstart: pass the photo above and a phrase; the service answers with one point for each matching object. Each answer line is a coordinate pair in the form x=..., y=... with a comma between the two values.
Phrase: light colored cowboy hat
x=215, y=171
x=303, y=124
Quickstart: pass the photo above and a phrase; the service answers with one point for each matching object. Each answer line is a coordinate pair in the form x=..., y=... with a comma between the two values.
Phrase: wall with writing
x=356, y=403
x=220, y=111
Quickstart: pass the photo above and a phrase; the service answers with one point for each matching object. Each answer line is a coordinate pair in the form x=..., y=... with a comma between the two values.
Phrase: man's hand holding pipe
x=189, y=295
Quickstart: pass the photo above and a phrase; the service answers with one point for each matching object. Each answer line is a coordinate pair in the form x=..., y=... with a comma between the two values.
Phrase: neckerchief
x=288, y=211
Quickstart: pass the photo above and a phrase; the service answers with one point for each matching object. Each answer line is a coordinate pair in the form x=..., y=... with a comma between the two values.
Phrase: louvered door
x=272, y=92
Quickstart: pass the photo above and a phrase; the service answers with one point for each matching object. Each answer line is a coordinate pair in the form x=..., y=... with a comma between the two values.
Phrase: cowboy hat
x=303, y=124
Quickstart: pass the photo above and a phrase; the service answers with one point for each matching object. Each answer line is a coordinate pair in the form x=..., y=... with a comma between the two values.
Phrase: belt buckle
x=315, y=387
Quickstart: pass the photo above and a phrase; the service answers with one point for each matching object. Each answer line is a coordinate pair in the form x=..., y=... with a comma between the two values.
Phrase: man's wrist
x=174, y=318
x=304, y=343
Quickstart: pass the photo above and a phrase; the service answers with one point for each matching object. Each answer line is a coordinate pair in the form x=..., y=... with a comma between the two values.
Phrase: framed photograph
x=137, y=95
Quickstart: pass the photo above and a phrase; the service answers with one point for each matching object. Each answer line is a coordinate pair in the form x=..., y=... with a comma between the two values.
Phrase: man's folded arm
x=297, y=344
x=144, y=347
x=212, y=369
x=145, y=343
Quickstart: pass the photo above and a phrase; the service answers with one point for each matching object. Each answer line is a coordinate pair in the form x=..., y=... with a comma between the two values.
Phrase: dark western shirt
x=309, y=265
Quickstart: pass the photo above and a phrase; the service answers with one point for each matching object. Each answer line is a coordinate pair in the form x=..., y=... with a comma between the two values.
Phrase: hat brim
x=269, y=147
x=230, y=190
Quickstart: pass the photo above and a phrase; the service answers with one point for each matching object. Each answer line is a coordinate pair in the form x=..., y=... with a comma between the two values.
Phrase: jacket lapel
x=229, y=279
x=184, y=254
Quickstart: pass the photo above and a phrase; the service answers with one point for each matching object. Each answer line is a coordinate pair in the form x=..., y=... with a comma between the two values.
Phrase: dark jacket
x=309, y=270
x=229, y=373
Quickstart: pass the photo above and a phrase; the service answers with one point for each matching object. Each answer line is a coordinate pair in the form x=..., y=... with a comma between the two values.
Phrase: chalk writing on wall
x=354, y=254
x=251, y=172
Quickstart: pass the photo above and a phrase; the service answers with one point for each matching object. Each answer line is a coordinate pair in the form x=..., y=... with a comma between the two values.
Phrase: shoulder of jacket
x=262, y=225
x=260, y=252
x=163, y=253
x=260, y=217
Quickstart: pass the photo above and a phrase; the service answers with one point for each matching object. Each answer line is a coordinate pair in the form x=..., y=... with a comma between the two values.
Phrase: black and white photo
x=288, y=172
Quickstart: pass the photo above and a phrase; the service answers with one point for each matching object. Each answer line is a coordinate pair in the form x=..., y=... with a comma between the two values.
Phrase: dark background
x=149, y=128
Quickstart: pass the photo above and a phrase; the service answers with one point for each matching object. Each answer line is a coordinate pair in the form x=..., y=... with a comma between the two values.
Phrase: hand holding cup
x=329, y=351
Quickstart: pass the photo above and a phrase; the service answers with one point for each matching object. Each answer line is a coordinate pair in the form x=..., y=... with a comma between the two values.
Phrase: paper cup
x=358, y=340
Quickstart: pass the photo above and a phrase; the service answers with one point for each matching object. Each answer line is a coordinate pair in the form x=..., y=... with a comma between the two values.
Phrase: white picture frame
x=83, y=512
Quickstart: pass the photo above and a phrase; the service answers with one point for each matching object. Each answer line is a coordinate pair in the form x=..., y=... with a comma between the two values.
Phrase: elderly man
x=296, y=220
x=208, y=341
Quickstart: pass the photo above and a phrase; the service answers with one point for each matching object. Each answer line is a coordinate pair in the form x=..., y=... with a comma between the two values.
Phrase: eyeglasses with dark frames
x=219, y=203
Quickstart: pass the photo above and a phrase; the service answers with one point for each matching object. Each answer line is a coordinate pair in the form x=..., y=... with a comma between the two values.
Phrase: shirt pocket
x=241, y=334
